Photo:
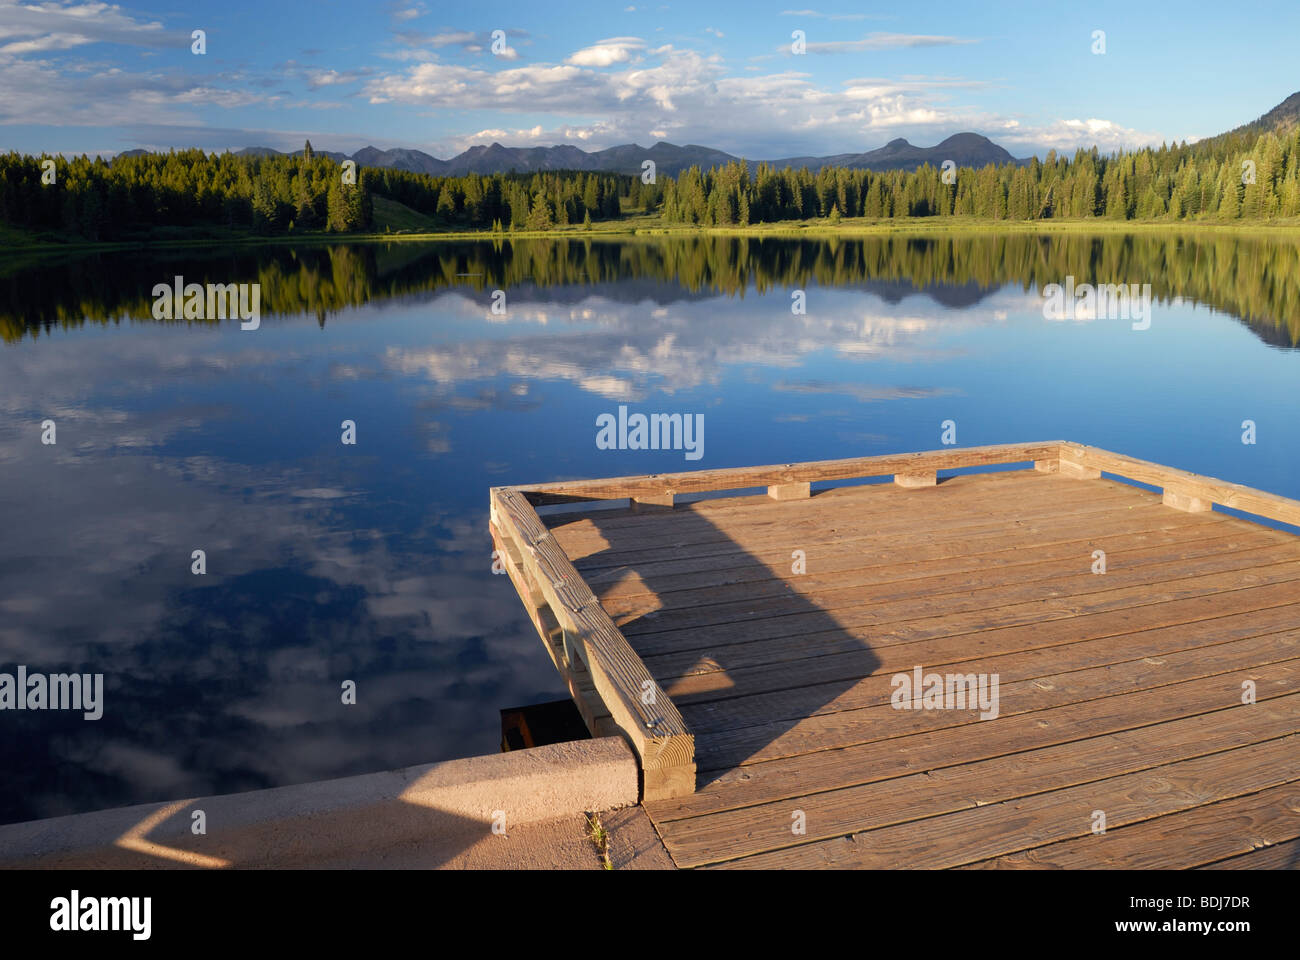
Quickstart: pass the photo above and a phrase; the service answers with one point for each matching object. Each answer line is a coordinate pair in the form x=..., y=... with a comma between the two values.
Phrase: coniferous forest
x=101, y=200
x=1249, y=176
x=283, y=195
x=1235, y=177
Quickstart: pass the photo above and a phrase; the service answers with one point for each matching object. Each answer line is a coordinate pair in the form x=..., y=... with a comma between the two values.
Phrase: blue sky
x=101, y=78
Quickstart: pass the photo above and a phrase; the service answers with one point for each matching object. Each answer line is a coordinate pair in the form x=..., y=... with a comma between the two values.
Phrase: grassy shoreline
x=646, y=227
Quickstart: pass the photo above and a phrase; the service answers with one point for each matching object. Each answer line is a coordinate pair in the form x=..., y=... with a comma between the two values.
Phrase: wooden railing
x=1182, y=490
x=909, y=469
x=593, y=655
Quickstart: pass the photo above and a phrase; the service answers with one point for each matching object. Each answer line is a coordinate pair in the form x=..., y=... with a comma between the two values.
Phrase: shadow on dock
x=692, y=602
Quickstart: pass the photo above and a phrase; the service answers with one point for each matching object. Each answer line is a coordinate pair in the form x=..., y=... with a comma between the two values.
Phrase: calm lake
x=371, y=562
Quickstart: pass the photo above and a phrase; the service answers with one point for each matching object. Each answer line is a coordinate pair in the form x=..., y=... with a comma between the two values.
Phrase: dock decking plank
x=1279, y=856
x=1060, y=578
x=857, y=566
x=592, y=548
x=840, y=812
x=1177, y=841
x=871, y=671
x=1193, y=616
x=741, y=786
x=928, y=619
x=669, y=577
x=881, y=502
x=1010, y=826
x=739, y=730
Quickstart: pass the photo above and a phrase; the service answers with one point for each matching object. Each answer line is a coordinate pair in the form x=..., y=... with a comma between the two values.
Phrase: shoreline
x=636, y=228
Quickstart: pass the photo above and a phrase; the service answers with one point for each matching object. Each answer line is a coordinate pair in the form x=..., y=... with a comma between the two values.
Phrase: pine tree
x=304, y=216
x=1230, y=202
x=446, y=208
x=1117, y=201
x=336, y=208
x=518, y=207
x=540, y=217
x=355, y=212
x=264, y=210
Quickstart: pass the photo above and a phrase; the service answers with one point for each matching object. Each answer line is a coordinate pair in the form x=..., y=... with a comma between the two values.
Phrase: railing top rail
x=736, y=478
x=655, y=726
x=1234, y=495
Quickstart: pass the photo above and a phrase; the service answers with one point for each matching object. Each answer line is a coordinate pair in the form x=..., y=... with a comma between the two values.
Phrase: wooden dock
x=750, y=646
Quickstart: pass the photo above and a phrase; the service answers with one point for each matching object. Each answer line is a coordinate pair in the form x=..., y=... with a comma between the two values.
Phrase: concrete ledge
x=454, y=803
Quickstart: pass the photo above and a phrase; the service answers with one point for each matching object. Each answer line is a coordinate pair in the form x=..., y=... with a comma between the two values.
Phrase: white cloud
x=450, y=38
x=883, y=41
x=829, y=16
x=203, y=95
x=532, y=136
x=51, y=41
x=467, y=40
x=607, y=52
x=402, y=13
x=41, y=27
x=329, y=78
x=92, y=95
x=688, y=97
x=1106, y=135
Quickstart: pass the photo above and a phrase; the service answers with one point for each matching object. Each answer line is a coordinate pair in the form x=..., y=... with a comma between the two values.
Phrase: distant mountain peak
x=1284, y=116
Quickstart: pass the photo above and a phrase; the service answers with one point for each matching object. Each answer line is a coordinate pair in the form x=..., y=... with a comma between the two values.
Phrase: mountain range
x=966, y=149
